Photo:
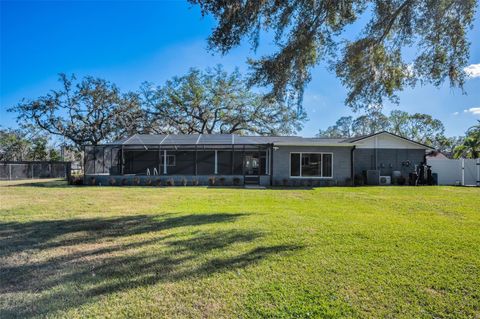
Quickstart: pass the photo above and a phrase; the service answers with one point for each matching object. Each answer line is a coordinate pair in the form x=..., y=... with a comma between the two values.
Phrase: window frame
x=309, y=177
x=162, y=159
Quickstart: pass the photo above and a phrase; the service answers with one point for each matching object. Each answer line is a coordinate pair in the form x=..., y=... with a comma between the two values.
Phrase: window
x=311, y=165
x=295, y=164
x=327, y=165
x=170, y=160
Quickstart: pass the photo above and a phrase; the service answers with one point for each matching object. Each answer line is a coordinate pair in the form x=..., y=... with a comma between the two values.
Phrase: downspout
x=352, y=163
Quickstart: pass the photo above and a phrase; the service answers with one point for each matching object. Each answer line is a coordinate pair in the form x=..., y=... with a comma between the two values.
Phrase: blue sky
x=130, y=42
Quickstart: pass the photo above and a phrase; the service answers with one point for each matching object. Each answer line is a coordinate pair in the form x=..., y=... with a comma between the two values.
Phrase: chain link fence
x=34, y=170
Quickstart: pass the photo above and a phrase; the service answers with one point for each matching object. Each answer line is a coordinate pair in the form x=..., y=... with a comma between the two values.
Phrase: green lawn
x=133, y=252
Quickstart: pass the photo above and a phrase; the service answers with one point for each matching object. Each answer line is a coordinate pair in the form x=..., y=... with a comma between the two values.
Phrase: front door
x=251, y=164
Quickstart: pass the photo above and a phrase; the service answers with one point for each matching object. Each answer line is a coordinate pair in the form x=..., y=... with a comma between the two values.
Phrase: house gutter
x=315, y=144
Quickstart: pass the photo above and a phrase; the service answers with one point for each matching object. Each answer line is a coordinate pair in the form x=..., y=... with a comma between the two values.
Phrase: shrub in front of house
x=76, y=180
x=222, y=181
x=236, y=181
x=136, y=181
x=348, y=181
x=358, y=180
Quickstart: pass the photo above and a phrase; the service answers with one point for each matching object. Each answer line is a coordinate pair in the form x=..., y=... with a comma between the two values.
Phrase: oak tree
x=399, y=42
x=215, y=101
x=89, y=111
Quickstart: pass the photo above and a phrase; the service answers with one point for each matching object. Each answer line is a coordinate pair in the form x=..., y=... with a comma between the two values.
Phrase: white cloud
x=473, y=70
x=473, y=110
x=455, y=113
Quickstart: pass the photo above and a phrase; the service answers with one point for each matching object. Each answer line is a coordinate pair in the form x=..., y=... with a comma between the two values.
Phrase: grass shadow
x=63, y=264
x=57, y=183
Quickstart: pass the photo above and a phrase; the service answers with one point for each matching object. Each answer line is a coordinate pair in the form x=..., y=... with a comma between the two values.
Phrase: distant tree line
x=417, y=126
x=20, y=145
x=470, y=146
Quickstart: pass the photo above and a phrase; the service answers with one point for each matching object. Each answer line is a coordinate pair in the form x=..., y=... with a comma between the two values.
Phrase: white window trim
x=167, y=156
x=308, y=177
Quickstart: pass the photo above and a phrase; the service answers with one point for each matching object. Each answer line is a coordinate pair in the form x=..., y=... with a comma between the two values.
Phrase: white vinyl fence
x=456, y=171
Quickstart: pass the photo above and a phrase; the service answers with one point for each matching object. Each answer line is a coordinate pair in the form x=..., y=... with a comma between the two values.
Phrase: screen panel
x=205, y=162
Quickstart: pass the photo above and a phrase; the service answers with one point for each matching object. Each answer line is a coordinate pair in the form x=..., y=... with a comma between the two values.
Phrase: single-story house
x=263, y=160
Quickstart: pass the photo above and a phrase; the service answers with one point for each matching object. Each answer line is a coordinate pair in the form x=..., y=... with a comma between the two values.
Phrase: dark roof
x=220, y=139
x=436, y=155
x=232, y=139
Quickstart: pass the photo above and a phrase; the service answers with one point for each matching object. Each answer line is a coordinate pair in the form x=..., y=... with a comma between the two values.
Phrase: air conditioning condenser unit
x=385, y=180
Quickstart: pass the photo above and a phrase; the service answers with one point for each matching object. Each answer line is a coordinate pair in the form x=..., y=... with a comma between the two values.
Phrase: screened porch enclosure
x=178, y=160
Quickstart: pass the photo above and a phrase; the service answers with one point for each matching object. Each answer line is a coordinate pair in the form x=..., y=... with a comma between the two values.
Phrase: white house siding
x=387, y=141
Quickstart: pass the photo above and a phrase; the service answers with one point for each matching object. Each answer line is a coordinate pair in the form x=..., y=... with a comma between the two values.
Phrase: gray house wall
x=388, y=160
x=341, y=164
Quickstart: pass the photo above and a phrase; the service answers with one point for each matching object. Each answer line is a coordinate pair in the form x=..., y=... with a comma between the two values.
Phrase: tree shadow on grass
x=49, y=266
x=56, y=183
